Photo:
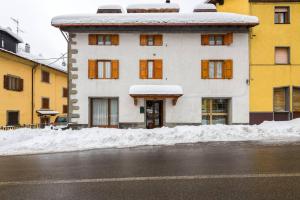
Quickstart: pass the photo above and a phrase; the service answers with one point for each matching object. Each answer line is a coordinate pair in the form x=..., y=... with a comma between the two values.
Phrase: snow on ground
x=27, y=141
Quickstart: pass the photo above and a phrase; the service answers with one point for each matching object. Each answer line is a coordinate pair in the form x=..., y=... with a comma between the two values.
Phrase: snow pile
x=27, y=141
x=199, y=18
x=155, y=89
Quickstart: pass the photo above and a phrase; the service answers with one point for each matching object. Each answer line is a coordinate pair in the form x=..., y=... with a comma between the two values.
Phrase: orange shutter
x=115, y=69
x=205, y=69
x=205, y=39
x=228, y=69
x=143, y=69
x=158, y=69
x=158, y=40
x=93, y=39
x=143, y=40
x=228, y=39
x=115, y=39
x=93, y=71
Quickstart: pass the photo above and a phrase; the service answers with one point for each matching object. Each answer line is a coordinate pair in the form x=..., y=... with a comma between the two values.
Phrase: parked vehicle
x=60, y=123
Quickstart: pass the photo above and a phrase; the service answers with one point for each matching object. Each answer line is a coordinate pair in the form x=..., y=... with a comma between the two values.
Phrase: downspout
x=32, y=92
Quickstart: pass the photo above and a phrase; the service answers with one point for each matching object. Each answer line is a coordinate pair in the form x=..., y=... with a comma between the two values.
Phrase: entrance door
x=154, y=114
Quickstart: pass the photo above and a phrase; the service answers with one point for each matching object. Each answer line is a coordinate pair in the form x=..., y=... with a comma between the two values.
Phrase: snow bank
x=27, y=141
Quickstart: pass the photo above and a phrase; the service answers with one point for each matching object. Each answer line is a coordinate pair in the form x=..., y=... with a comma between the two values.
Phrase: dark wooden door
x=154, y=114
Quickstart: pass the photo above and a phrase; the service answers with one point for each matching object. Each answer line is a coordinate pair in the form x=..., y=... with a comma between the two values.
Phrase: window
x=103, y=69
x=104, y=112
x=45, y=103
x=282, y=55
x=45, y=76
x=65, y=92
x=2, y=43
x=215, y=111
x=13, y=83
x=12, y=118
x=103, y=39
x=282, y=15
x=281, y=99
x=217, y=39
x=151, y=40
x=217, y=69
x=296, y=99
x=151, y=69
x=65, y=109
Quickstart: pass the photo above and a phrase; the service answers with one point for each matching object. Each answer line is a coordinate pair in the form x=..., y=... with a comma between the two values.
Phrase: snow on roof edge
x=12, y=34
x=155, y=90
x=154, y=6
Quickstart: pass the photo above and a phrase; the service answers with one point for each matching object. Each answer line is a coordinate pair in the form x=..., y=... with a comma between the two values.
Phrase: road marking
x=140, y=179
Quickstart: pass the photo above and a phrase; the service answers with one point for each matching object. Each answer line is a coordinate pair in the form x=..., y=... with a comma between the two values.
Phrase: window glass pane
x=150, y=69
x=107, y=70
x=100, y=70
x=279, y=100
x=205, y=106
x=100, y=112
x=219, y=105
x=219, y=120
x=100, y=40
x=150, y=40
x=219, y=40
x=107, y=40
x=205, y=120
x=219, y=69
x=114, y=112
x=211, y=69
x=211, y=40
x=281, y=55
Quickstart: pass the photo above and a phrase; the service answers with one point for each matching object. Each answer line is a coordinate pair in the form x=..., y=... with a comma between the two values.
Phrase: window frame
x=153, y=69
x=286, y=14
x=65, y=93
x=215, y=39
x=293, y=98
x=216, y=69
x=288, y=52
x=104, y=41
x=44, y=72
x=286, y=99
x=104, y=69
x=7, y=117
x=212, y=114
x=18, y=83
x=42, y=102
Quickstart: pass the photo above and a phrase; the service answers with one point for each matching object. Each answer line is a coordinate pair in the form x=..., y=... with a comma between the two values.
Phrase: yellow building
x=274, y=57
x=30, y=92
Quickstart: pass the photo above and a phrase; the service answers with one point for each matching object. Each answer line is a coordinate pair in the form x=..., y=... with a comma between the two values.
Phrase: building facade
x=31, y=92
x=274, y=60
x=127, y=71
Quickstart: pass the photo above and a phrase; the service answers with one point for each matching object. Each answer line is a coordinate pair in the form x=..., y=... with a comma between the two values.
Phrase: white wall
x=181, y=54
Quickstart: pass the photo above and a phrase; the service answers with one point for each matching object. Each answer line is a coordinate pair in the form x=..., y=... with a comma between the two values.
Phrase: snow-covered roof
x=111, y=7
x=134, y=19
x=47, y=112
x=12, y=34
x=205, y=6
x=155, y=90
x=150, y=6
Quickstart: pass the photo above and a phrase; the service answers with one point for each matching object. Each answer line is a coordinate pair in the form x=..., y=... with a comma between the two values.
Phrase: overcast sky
x=35, y=19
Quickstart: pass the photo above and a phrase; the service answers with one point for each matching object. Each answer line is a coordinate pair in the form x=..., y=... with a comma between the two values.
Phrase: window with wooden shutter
x=228, y=69
x=151, y=40
x=281, y=100
x=204, y=39
x=158, y=40
x=158, y=69
x=104, y=39
x=45, y=103
x=21, y=84
x=228, y=39
x=205, y=69
x=143, y=69
x=65, y=92
x=6, y=82
x=115, y=69
x=143, y=40
x=93, y=39
x=296, y=99
x=92, y=69
x=65, y=109
x=282, y=15
x=13, y=83
x=115, y=39
x=45, y=76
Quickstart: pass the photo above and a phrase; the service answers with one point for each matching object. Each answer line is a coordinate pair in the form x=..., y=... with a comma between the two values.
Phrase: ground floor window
x=215, y=111
x=104, y=112
x=13, y=118
x=296, y=99
x=281, y=99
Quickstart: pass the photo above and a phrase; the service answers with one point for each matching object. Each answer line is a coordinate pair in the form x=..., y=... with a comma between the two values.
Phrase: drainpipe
x=32, y=92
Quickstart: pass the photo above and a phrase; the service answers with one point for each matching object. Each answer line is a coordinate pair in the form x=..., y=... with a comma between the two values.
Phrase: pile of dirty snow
x=27, y=141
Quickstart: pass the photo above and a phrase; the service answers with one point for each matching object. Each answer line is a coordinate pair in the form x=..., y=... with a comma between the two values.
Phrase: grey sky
x=35, y=19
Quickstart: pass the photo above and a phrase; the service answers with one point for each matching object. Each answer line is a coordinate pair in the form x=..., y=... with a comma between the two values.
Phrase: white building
x=155, y=67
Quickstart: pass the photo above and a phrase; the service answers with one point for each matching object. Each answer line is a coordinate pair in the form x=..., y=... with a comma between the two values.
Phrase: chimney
x=168, y=1
x=27, y=48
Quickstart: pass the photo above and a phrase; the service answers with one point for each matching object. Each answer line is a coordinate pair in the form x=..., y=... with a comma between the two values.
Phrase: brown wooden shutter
x=45, y=103
x=205, y=39
x=143, y=69
x=228, y=39
x=279, y=100
x=158, y=40
x=143, y=40
x=228, y=69
x=115, y=39
x=114, y=69
x=158, y=69
x=205, y=69
x=21, y=84
x=6, y=82
x=296, y=99
x=93, y=69
x=93, y=39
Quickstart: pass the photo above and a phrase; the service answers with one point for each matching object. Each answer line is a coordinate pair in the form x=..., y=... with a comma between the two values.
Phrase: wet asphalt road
x=202, y=171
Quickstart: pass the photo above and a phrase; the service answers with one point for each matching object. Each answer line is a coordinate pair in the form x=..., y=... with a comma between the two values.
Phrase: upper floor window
x=282, y=55
x=45, y=103
x=103, y=69
x=282, y=15
x=151, y=69
x=65, y=109
x=151, y=40
x=103, y=39
x=13, y=83
x=45, y=76
x=65, y=92
x=217, y=69
x=217, y=39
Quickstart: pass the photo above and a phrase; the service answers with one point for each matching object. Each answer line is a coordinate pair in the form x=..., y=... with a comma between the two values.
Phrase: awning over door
x=156, y=92
x=47, y=112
